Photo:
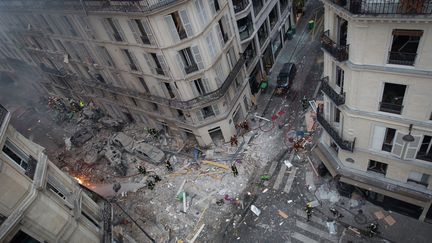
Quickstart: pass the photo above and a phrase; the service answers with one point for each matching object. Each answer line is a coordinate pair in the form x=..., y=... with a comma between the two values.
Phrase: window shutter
x=210, y=45
x=172, y=27
x=108, y=29
x=148, y=31
x=194, y=89
x=398, y=144
x=135, y=31
x=212, y=7
x=199, y=115
x=197, y=57
x=119, y=29
x=220, y=36
x=201, y=12
x=219, y=74
x=180, y=63
x=186, y=22
x=162, y=63
x=148, y=58
x=134, y=59
x=226, y=25
x=215, y=109
x=206, y=85
x=378, y=137
x=412, y=148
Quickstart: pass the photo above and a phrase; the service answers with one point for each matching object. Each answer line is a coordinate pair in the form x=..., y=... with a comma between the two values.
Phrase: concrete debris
x=331, y=226
x=282, y=214
x=255, y=210
x=68, y=144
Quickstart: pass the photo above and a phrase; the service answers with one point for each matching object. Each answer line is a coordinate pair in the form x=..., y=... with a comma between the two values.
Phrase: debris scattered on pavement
x=283, y=214
x=255, y=210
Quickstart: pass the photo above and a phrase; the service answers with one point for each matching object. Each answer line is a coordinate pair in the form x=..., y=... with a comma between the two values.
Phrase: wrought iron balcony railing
x=391, y=107
x=402, y=58
x=337, y=51
x=182, y=105
x=192, y=68
x=406, y=7
x=142, y=6
x=338, y=99
x=343, y=144
x=240, y=5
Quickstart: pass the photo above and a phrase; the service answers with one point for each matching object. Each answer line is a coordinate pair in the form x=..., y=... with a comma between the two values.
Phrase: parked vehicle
x=123, y=141
x=285, y=78
x=149, y=152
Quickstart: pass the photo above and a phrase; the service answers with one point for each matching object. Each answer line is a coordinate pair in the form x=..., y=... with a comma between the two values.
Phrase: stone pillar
x=425, y=210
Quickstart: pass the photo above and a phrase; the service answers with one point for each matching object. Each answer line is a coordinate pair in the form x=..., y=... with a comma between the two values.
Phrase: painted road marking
x=315, y=231
x=279, y=177
x=272, y=168
x=303, y=238
x=290, y=180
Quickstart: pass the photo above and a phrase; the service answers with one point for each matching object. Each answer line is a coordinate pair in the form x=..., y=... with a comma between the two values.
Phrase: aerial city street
x=186, y=121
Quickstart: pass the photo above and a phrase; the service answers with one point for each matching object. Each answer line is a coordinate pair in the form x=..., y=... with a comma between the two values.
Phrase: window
x=155, y=107
x=216, y=5
x=113, y=28
x=418, y=178
x=377, y=167
x=105, y=56
x=181, y=31
x=207, y=112
x=130, y=58
x=143, y=83
x=336, y=115
x=200, y=87
x=223, y=32
x=188, y=60
x=16, y=155
x=56, y=191
x=70, y=28
x=283, y=5
x=388, y=139
x=425, y=151
x=404, y=46
x=139, y=31
x=158, y=67
x=263, y=33
x=392, y=98
x=257, y=6
x=340, y=78
x=273, y=17
x=250, y=53
x=245, y=27
x=170, y=90
x=21, y=237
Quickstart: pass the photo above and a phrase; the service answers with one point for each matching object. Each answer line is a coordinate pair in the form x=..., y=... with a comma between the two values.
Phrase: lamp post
x=409, y=138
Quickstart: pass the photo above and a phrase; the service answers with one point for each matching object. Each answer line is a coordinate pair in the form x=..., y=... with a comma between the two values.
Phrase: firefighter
x=234, y=169
x=336, y=213
x=168, y=166
x=308, y=210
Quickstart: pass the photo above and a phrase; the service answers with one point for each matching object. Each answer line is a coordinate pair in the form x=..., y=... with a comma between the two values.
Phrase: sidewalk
x=287, y=54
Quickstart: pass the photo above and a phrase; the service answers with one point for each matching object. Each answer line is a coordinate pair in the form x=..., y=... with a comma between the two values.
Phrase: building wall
x=365, y=73
x=48, y=205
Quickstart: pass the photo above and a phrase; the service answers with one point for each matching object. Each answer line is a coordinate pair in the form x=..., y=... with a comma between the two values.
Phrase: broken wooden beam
x=220, y=165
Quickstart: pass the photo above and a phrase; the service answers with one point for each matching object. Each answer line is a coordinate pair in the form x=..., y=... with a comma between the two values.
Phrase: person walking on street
x=308, y=211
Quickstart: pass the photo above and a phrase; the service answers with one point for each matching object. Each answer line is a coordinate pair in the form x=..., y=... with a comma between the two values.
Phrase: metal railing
x=338, y=99
x=343, y=144
x=406, y=7
x=339, y=52
x=402, y=58
x=391, y=107
x=191, y=68
x=182, y=105
x=143, y=6
x=240, y=5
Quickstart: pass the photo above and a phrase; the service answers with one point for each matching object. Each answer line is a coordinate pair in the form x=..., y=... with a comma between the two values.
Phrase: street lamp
x=409, y=138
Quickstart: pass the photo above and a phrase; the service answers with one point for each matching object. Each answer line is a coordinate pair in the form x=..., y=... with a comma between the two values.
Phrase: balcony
x=402, y=58
x=391, y=107
x=240, y=5
x=181, y=105
x=338, y=99
x=191, y=68
x=343, y=144
x=138, y=6
x=337, y=51
x=388, y=7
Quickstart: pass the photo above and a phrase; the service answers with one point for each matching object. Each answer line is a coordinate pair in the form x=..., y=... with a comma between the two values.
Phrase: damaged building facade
x=377, y=113
x=40, y=203
x=183, y=66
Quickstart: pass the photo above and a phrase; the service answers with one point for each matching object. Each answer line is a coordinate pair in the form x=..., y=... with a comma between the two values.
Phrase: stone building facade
x=40, y=203
x=173, y=65
x=377, y=112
